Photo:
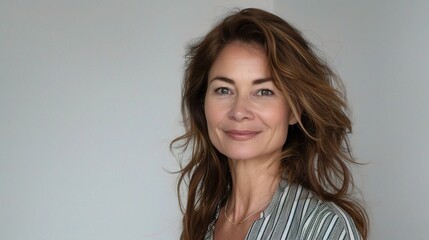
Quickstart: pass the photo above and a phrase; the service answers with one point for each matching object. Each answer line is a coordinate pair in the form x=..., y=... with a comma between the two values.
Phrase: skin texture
x=247, y=116
x=247, y=119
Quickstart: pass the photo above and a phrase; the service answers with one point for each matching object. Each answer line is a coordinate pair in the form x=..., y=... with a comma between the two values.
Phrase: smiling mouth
x=241, y=135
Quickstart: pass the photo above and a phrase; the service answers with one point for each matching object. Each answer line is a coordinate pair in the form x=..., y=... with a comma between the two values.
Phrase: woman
x=267, y=126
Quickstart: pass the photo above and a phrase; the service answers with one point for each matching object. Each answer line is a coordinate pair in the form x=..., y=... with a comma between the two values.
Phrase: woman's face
x=247, y=116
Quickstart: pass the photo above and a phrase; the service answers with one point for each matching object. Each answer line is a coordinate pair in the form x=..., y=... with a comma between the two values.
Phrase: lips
x=241, y=135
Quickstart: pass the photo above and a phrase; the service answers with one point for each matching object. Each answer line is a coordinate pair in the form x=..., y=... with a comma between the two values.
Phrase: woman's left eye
x=265, y=92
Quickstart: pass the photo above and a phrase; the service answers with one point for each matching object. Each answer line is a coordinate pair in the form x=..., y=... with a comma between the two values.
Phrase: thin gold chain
x=242, y=221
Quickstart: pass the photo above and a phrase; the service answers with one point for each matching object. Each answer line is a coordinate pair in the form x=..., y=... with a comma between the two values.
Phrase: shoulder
x=323, y=219
x=329, y=222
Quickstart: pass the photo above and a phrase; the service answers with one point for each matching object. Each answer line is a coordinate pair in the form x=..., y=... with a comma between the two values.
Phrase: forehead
x=241, y=58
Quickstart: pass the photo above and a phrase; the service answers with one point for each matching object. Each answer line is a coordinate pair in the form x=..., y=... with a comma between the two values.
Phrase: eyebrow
x=230, y=81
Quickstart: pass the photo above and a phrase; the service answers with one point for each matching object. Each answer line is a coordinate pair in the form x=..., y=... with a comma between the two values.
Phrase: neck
x=253, y=186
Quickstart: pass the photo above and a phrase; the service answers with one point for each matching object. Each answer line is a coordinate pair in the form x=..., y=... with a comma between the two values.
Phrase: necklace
x=247, y=217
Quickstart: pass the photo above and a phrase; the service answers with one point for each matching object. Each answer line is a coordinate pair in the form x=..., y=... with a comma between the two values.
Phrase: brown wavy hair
x=317, y=151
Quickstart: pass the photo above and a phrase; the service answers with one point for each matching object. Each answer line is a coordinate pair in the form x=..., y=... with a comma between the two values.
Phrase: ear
x=294, y=117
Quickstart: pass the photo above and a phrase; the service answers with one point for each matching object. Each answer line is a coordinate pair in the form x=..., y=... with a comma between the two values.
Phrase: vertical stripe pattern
x=296, y=213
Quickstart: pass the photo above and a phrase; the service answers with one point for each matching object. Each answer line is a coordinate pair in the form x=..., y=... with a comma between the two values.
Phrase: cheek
x=213, y=116
x=278, y=119
x=278, y=112
x=215, y=110
x=209, y=113
x=212, y=121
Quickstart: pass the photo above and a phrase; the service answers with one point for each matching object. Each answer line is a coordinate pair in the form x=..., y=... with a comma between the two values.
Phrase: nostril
x=240, y=111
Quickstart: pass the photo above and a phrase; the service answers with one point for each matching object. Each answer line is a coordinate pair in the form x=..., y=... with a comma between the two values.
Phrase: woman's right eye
x=222, y=91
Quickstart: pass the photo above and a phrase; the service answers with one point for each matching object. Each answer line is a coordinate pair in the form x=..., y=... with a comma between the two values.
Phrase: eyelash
x=270, y=93
x=221, y=89
x=260, y=92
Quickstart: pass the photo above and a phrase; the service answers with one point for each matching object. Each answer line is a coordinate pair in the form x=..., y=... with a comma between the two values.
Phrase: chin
x=241, y=155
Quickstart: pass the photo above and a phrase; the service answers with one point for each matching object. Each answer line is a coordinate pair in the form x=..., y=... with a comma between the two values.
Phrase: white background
x=89, y=101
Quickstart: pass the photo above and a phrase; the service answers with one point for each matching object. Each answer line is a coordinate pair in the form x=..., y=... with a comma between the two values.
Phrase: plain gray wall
x=89, y=101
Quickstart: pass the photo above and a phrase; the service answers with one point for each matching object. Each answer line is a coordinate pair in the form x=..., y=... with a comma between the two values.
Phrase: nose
x=241, y=110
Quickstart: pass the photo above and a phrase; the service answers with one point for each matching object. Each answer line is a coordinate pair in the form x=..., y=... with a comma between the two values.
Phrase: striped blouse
x=296, y=213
